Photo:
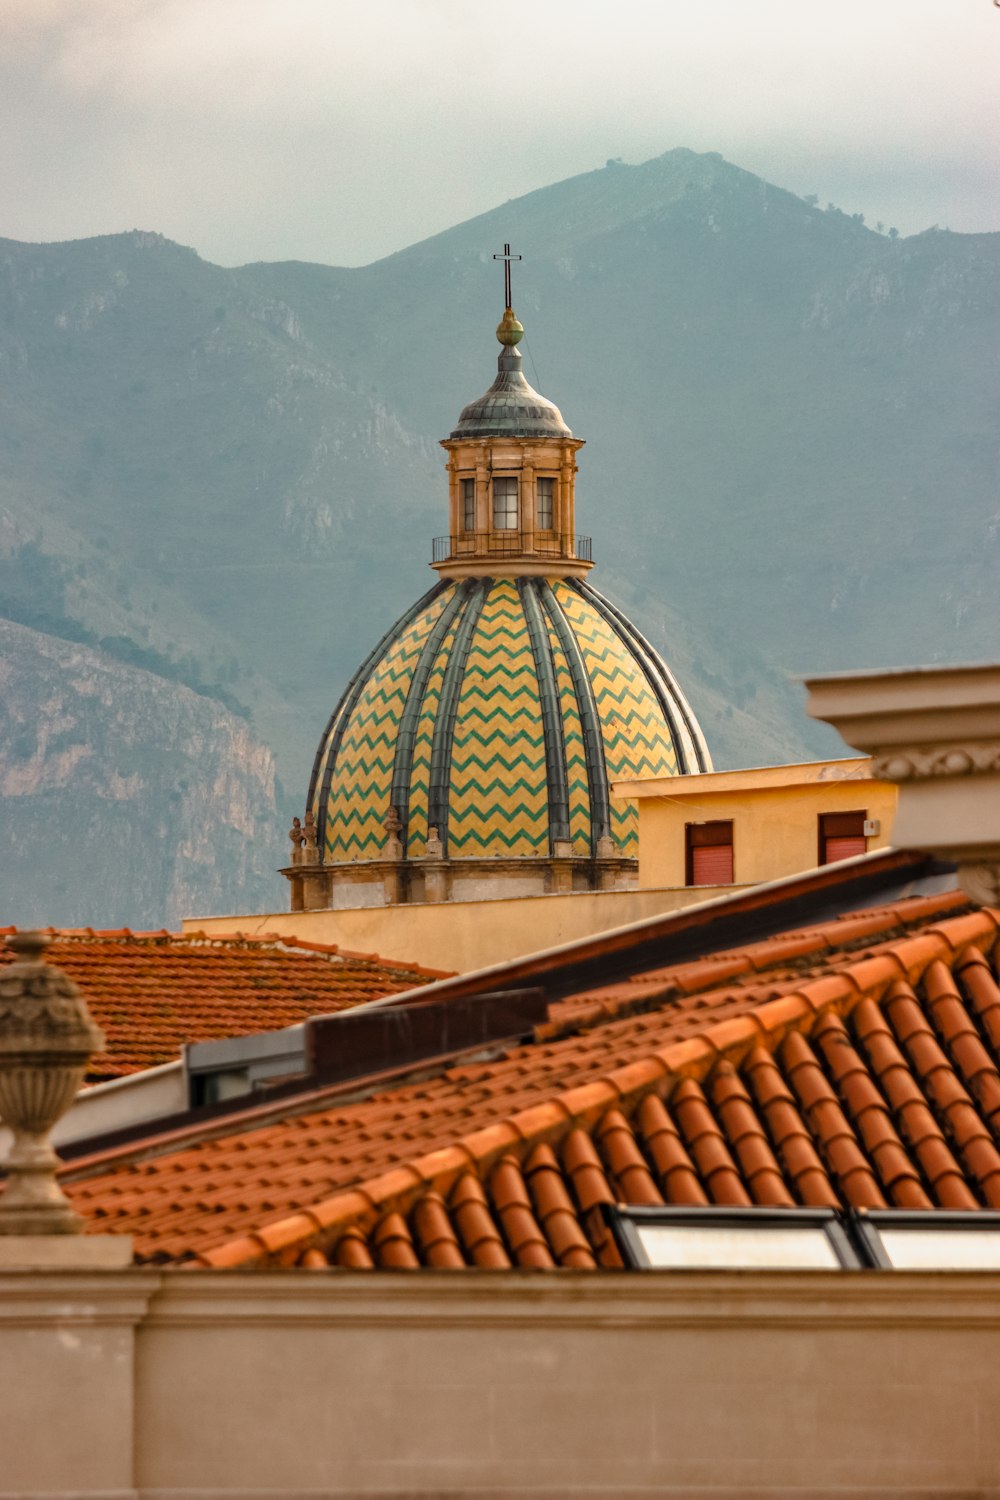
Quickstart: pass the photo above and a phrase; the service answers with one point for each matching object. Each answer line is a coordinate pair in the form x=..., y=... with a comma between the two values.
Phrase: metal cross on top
x=506, y=257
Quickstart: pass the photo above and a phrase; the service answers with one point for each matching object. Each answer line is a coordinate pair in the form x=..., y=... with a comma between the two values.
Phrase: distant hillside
x=124, y=798
x=230, y=478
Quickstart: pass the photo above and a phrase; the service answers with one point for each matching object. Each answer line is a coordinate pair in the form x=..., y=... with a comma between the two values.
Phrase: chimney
x=935, y=732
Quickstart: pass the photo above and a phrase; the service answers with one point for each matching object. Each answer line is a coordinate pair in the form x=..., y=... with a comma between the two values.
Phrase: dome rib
x=345, y=708
x=662, y=681
x=593, y=739
x=402, y=769
x=556, y=774
x=444, y=727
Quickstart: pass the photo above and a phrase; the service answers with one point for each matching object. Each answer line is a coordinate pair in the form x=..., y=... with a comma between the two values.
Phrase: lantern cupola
x=511, y=474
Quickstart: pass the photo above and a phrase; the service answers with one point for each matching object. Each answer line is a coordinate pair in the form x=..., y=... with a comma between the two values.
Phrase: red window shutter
x=712, y=865
x=842, y=835
x=844, y=847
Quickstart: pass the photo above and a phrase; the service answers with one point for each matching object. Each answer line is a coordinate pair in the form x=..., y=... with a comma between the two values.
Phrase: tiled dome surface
x=499, y=710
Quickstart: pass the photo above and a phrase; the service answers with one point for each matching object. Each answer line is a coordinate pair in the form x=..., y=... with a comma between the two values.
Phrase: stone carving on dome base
x=429, y=877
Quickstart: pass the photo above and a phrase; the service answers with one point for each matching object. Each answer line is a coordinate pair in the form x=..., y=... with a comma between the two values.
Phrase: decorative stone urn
x=46, y=1037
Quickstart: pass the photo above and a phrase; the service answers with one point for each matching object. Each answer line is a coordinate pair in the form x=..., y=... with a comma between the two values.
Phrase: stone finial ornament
x=393, y=826
x=46, y=1038
x=310, y=849
x=435, y=848
x=298, y=838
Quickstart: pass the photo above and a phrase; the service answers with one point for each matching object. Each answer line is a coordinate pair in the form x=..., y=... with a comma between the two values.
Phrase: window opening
x=505, y=505
x=841, y=836
x=468, y=498
x=544, y=503
x=709, y=853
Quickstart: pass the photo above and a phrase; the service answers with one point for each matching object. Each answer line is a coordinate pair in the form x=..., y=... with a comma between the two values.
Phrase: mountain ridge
x=790, y=461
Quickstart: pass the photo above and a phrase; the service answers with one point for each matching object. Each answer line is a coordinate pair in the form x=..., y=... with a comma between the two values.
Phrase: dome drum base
x=388, y=882
x=526, y=567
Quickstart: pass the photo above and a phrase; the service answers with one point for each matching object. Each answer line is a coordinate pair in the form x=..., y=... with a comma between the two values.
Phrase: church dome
x=497, y=711
x=473, y=752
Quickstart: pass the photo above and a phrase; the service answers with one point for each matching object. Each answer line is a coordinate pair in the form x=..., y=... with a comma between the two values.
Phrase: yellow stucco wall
x=775, y=820
x=460, y=936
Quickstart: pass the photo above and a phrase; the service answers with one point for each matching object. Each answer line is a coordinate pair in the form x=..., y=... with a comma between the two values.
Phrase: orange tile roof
x=853, y=1063
x=151, y=992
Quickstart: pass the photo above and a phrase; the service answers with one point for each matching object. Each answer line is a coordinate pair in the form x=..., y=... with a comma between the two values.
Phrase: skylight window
x=801, y=1239
x=704, y=1239
x=931, y=1241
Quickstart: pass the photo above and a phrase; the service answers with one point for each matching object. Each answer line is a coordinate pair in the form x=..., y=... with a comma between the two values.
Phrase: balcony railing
x=486, y=544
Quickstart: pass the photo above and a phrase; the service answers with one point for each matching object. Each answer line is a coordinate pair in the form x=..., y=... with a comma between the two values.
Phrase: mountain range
x=218, y=487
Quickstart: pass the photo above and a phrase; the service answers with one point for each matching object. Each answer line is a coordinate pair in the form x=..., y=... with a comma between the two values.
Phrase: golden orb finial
x=509, y=330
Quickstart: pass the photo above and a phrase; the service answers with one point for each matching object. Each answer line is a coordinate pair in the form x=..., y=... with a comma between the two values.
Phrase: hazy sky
x=341, y=130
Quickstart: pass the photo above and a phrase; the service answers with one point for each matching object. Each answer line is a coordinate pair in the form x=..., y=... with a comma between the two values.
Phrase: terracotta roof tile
x=624, y=1160
x=740, y=1126
x=554, y=1210
x=352, y=1251
x=676, y=1173
x=863, y=1075
x=153, y=992
x=512, y=1204
x=477, y=1230
x=393, y=1245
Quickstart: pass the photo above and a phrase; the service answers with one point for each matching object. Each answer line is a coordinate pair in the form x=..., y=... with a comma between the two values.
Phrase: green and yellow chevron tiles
x=498, y=801
x=636, y=736
x=362, y=780
x=416, y=841
x=576, y=758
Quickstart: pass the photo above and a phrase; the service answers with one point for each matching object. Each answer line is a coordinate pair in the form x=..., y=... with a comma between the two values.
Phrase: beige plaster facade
x=935, y=733
x=205, y=1385
x=464, y=935
x=775, y=812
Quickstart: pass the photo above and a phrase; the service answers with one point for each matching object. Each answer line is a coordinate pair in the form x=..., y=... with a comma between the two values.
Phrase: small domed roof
x=511, y=408
x=499, y=710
